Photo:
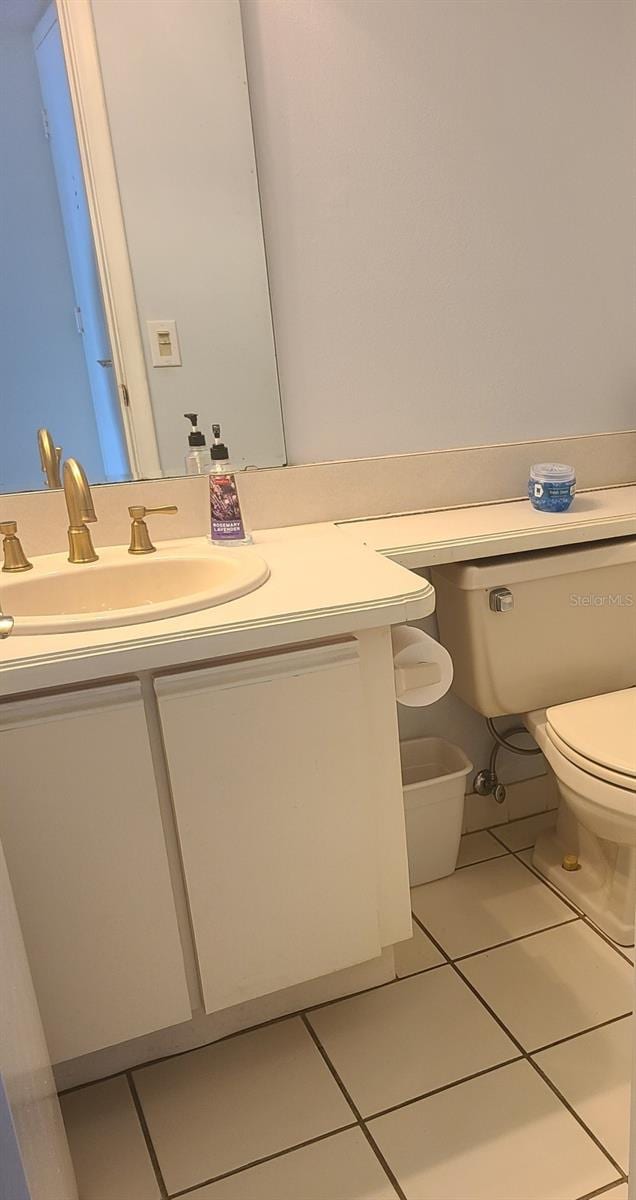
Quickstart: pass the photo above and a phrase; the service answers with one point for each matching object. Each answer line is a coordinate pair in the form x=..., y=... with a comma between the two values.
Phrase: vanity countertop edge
x=320, y=586
x=503, y=527
x=326, y=580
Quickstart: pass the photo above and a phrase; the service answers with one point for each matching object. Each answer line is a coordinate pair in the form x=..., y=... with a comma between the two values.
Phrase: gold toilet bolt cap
x=571, y=862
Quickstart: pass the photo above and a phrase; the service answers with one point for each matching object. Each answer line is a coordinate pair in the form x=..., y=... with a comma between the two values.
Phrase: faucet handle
x=14, y=557
x=139, y=537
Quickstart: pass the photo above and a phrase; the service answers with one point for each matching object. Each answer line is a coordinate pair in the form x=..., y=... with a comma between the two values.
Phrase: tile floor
x=496, y=1067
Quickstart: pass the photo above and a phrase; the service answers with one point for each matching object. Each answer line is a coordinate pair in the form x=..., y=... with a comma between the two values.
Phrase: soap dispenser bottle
x=196, y=460
x=226, y=519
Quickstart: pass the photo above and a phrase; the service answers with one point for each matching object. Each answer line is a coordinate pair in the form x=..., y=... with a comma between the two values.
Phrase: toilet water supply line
x=486, y=782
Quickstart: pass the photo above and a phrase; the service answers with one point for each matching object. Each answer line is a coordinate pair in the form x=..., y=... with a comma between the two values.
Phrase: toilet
x=552, y=635
x=591, y=747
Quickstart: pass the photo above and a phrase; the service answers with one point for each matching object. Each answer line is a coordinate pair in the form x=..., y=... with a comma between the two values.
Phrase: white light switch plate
x=164, y=343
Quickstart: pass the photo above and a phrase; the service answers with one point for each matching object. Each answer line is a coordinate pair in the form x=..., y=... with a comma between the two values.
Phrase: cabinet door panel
x=82, y=834
x=269, y=765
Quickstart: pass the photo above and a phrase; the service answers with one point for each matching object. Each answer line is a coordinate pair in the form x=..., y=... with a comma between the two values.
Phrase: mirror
x=134, y=286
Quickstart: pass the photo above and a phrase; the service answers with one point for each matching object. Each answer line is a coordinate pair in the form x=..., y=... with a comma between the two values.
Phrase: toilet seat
x=598, y=735
x=595, y=769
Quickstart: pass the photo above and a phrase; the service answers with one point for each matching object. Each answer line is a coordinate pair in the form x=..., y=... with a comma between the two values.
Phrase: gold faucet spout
x=79, y=503
x=50, y=456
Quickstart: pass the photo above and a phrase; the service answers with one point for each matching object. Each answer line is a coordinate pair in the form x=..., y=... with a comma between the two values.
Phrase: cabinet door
x=82, y=834
x=270, y=763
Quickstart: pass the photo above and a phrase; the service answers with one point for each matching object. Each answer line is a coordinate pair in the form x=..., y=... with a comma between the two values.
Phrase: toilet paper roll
x=423, y=668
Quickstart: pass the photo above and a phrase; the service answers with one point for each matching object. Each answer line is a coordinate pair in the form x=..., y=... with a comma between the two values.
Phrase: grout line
x=510, y=941
x=571, y=1037
x=359, y=1121
x=526, y=1055
x=515, y=820
x=398, y=979
x=606, y=1190
x=598, y=1143
x=444, y=1087
x=257, y=1162
x=140, y=1066
x=226, y=1037
x=546, y=882
x=354, y=1108
x=473, y=989
x=163, y=1191
x=566, y=900
x=604, y=936
x=478, y=861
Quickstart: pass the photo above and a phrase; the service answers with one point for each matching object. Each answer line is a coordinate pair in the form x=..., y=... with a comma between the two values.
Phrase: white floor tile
x=503, y=1136
x=486, y=904
x=477, y=847
x=400, y=1041
x=519, y=835
x=342, y=1167
x=554, y=984
x=619, y=1193
x=527, y=856
x=107, y=1144
x=628, y=951
x=593, y=1072
x=231, y=1103
x=418, y=954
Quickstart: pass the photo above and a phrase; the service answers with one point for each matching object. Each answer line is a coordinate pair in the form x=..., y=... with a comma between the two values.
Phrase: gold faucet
x=79, y=503
x=13, y=555
x=50, y=456
x=139, y=537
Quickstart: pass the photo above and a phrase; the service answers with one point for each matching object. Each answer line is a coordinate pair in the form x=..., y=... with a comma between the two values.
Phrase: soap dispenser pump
x=196, y=460
x=227, y=524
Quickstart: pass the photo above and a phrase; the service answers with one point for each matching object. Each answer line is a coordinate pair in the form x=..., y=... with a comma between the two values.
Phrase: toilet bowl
x=590, y=745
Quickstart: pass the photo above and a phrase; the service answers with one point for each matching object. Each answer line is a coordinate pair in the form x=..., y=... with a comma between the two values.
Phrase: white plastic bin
x=434, y=783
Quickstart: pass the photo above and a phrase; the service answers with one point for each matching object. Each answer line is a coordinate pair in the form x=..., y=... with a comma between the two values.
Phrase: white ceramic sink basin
x=122, y=589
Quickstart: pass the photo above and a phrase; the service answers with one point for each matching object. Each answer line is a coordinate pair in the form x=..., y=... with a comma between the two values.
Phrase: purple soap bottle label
x=225, y=509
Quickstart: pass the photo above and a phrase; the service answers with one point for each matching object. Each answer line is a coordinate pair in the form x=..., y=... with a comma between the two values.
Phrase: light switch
x=164, y=344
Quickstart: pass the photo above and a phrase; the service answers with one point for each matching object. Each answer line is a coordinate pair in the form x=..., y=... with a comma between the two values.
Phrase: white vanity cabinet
x=82, y=834
x=283, y=769
x=236, y=832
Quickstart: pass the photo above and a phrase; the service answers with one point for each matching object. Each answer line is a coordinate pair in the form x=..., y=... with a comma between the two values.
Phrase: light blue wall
x=43, y=379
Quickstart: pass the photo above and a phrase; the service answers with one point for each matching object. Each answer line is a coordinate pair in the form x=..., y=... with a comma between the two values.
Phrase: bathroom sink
x=119, y=589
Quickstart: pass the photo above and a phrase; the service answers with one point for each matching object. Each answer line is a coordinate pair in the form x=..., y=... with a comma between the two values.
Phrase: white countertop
x=509, y=527
x=321, y=585
x=326, y=580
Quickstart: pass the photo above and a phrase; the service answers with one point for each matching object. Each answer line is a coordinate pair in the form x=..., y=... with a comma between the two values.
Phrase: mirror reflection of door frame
x=100, y=177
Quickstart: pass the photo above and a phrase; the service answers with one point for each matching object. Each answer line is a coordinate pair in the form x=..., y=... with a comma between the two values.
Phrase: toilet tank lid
x=600, y=728
x=537, y=564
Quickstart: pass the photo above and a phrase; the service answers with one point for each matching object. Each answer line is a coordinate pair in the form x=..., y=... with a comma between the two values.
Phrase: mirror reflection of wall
x=186, y=197
x=54, y=331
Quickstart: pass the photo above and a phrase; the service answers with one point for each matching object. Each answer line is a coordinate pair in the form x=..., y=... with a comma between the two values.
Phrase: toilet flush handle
x=501, y=600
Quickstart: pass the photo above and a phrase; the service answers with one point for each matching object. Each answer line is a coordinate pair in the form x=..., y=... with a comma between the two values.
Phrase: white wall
x=43, y=378
x=176, y=92
x=448, y=203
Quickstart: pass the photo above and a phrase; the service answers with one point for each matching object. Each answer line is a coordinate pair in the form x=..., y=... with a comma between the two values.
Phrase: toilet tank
x=565, y=629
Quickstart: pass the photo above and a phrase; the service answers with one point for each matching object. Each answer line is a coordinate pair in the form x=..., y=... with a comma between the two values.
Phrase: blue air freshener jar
x=551, y=487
